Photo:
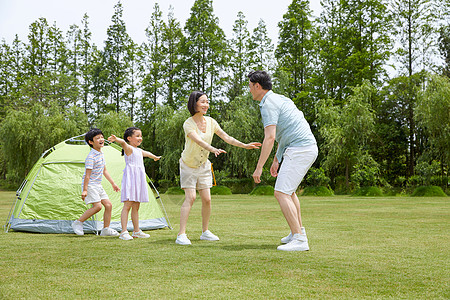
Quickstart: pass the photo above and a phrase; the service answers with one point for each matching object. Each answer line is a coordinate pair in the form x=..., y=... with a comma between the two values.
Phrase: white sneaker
x=125, y=236
x=107, y=231
x=140, y=234
x=299, y=242
x=288, y=238
x=77, y=227
x=182, y=239
x=209, y=236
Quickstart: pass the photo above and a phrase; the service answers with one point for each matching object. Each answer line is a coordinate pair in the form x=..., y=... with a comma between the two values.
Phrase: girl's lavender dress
x=134, y=183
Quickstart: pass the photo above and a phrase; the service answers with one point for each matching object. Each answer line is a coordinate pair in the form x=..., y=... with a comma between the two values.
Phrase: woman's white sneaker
x=182, y=239
x=209, y=236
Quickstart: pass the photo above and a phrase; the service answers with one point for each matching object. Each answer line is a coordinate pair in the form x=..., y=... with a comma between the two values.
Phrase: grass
x=361, y=248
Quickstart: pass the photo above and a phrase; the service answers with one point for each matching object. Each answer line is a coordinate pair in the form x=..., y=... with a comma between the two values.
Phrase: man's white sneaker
x=182, y=239
x=108, y=232
x=125, y=236
x=77, y=227
x=209, y=236
x=140, y=234
x=299, y=242
x=288, y=238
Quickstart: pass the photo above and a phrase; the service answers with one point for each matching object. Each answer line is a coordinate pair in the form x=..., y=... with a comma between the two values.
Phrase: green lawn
x=361, y=248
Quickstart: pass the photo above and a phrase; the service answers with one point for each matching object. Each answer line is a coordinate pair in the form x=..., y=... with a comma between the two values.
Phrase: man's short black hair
x=262, y=78
x=89, y=136
x=193, y=98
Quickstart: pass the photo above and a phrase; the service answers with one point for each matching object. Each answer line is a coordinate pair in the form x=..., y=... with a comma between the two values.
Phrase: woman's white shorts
x=296, y=162
x=195, y=178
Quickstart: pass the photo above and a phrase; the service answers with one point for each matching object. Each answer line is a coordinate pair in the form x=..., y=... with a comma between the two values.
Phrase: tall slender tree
x=261, y=49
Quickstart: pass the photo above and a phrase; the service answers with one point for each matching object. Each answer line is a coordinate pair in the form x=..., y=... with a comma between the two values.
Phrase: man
x=297, y=150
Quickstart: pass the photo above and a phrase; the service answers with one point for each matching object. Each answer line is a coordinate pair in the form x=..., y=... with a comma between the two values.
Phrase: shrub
x=317, y=191
x=175, y=190
x=238, y=186
x=262, y=190
x=220, y=190
x=317, y=177
x=429, y=191
x=164, y=184
x=368, y=191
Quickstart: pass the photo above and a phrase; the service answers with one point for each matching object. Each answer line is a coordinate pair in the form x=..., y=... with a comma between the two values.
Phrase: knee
x=97, y=207
x=206, y=201
x=107, y=205
x=189, y=201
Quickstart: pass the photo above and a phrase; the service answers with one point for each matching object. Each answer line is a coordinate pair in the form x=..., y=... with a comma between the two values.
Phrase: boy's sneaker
x=182, y=239
x=77, y=227
x=108, y=232
x=140, y=234
x=299, y=242
x=125, y=236
x=288, y=238
x=209, y=236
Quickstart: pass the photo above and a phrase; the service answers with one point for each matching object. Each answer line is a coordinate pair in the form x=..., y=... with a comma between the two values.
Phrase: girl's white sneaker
x=140, y=234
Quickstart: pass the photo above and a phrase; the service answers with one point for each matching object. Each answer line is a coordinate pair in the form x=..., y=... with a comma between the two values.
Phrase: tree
x=444, y=48
x=346, y=131
x=261, y=49
x=115, y=52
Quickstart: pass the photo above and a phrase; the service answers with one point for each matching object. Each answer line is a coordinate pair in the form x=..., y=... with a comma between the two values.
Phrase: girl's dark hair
x=128, y=132
x=262, y=78
x=193, y=98
x=89, y=136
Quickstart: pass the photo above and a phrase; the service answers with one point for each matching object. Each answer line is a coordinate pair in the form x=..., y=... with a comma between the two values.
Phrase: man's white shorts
x=195, y=178
x=95, y=193
x=296, y=162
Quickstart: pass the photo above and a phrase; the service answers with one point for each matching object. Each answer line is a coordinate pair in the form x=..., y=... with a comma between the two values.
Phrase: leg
x=289, y=211
x=107, y=214
x=135, y=215
x=186, y=208
x=124, y=215
x=205, y=195
x=297, y=206
x=96, y=207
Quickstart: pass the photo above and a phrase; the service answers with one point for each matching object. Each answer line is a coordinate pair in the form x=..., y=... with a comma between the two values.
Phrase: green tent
x=49, y=199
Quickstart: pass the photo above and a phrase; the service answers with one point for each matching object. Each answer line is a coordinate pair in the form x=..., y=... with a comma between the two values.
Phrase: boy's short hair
x=89, y=136
x=262, y=78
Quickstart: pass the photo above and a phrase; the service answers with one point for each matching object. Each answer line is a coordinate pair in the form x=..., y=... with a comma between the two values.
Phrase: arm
x=196, y=138
x=109, y=178
x=266, y=149
x=151, y=155
x=87, y=177
x=234, y=142
x=126, y=148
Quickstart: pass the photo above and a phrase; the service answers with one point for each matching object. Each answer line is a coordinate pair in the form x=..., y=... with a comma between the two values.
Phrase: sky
x=17, y=15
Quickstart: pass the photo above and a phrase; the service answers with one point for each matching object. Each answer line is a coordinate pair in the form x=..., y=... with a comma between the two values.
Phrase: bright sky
x=17, y=15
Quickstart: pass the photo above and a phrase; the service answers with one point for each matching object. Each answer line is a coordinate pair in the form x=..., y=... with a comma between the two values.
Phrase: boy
x=93, y=192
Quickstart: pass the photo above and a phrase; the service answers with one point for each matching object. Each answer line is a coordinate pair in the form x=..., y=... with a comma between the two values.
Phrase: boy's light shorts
x=95, y=193
x=296, y=162
x=195, y=178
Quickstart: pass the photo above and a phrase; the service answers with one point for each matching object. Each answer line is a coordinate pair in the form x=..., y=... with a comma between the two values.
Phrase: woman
x=195, y=168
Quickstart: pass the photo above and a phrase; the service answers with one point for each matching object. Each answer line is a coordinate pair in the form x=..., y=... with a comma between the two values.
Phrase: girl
x=134, y=183
x=195, y=168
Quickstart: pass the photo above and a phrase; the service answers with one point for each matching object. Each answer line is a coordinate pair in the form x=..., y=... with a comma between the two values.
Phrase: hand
x=156, y=158
x=112, y=138
x=83, y=195
x=115, y=187
x=257, y=175
x=274, y=168
x=217, y=151
x=253, y=145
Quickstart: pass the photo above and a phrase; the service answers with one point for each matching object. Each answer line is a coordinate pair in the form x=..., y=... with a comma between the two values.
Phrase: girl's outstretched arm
x=232, y=141
x=151, y=155
x=126, y=148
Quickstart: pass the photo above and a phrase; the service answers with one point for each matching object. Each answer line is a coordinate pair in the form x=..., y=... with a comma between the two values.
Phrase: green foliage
x=164, y=184
x=239, y=186
x=426, y=171
x=26, y=134
x=368, y=191
x=220, y=190
x=366, y=171
x=113, y=123
x=318, y=191
x=262, y=190
x=175, y=190
x=428, y=191
x=316, y=177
